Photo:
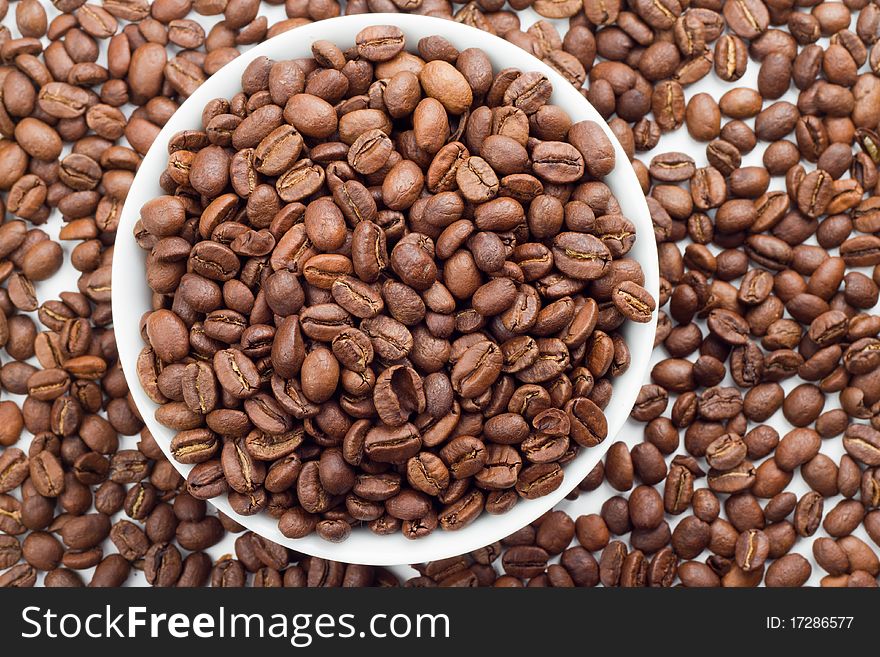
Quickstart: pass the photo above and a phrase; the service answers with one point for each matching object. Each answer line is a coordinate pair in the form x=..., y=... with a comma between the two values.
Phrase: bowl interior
x=131, y=296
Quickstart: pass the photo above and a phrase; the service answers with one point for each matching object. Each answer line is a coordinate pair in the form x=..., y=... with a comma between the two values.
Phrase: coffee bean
x=808, y=514
x=790, y=570
x=633, y=301
x=863, y=444
x=380, y=43
x=752, y=548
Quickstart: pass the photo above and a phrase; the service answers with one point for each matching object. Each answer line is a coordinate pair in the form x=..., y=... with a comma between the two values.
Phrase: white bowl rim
x=131, y=297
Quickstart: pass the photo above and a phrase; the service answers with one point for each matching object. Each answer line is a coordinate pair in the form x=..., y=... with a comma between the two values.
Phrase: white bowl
x=131, y=296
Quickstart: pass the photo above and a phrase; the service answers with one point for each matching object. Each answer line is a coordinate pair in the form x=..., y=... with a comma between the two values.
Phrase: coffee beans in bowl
x=390, y=289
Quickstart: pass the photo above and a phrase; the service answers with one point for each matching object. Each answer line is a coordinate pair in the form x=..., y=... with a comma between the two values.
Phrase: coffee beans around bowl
x=378, y=290
x=640, y=72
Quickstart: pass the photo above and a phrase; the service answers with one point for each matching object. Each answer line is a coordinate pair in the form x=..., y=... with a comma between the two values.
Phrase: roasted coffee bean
x=790, y=570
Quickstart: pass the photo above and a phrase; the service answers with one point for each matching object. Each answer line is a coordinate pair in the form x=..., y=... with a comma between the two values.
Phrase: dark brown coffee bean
x=790, y=570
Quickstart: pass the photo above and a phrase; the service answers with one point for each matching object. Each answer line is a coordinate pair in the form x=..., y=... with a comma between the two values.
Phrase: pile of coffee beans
x=388, y=288
x=798, y=97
